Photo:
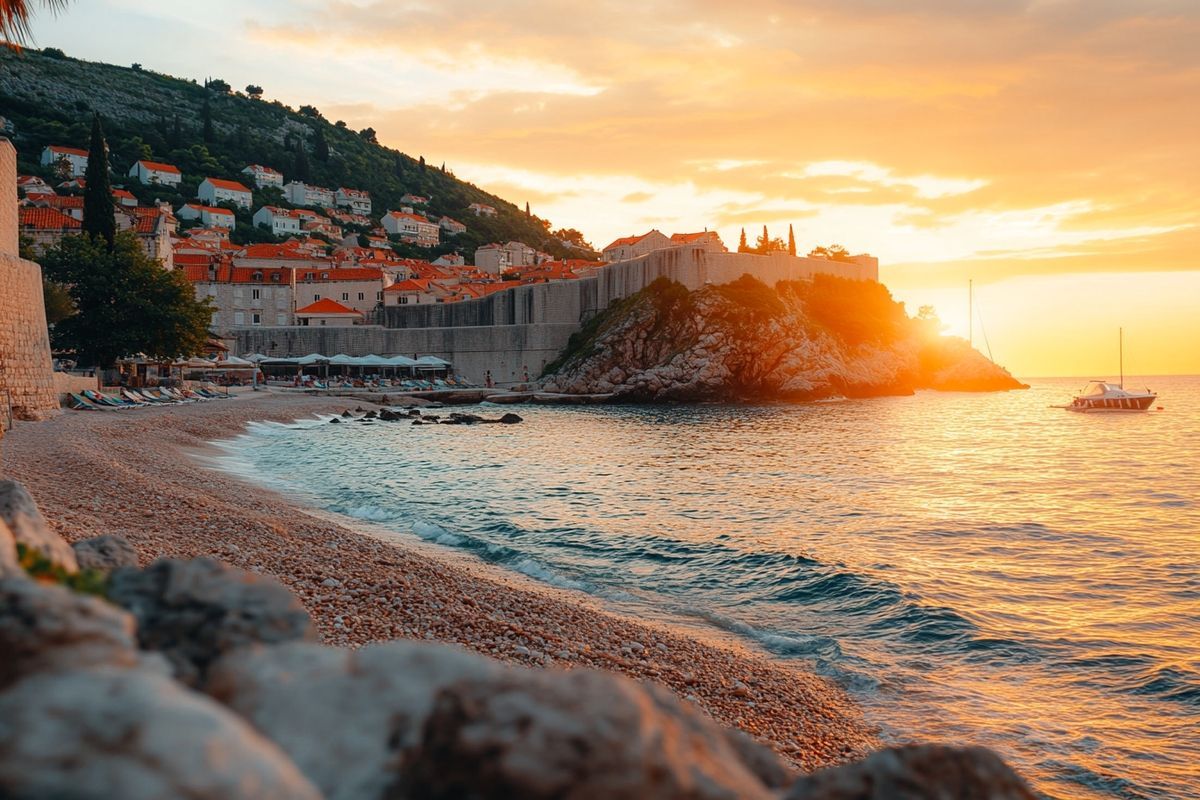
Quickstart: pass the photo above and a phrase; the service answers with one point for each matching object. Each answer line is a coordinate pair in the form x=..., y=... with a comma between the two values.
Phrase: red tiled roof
x=261, y=168
x=158, y=166
x=627, y=240
x=225, y=212
x=74, y=151
x=347, y=274
x=326, y=306
x=233, y=186
x=123, y=193
x=195, y=273
x=47, y=219
x=274, y=251
x=410, y=285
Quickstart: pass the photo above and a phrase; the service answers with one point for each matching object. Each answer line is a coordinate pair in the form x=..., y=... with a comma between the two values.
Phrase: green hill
x=49, y=99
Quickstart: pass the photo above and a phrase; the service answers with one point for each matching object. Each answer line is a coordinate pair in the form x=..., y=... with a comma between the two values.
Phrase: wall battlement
x=26, y=373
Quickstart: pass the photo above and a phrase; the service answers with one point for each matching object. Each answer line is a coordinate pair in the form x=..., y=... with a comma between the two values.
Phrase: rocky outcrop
x=577, y=735
x=925, y=772
x=8, y=553
x=377, y=699
x=29, y=527
x=105, y=553
x=195, y=611
x=105, y=733
x=745, y=341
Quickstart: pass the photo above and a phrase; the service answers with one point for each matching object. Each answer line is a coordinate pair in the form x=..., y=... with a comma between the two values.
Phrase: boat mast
x=1121, y=353
x=970, y=312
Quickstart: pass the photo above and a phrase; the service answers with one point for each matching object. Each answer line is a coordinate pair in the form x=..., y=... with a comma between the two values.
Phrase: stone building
x=26, y=374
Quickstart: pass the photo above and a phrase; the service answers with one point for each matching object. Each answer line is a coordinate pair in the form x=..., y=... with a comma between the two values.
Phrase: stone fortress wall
x=26, y=374
x=517, y=332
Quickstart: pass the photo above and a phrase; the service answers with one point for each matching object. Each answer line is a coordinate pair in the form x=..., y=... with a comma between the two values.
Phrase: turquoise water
x=972, y=568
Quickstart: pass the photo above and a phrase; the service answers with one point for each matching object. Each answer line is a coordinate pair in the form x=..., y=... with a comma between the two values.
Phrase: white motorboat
x=1102, y=396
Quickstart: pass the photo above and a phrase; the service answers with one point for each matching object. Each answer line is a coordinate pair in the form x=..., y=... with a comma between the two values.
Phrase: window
x=254, y=294
x=256, y=319
x=378, y=296
x=316, y=297
x=346, y=296
x=322, y=322
x=361, y=296
x=403, y=299
x=239, y=318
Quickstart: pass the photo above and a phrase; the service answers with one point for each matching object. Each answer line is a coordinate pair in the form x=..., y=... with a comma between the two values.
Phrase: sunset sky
x=1048, y=149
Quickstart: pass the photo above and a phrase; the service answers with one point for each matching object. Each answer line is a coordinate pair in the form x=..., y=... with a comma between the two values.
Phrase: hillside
x=49, y=99
x=744, y=341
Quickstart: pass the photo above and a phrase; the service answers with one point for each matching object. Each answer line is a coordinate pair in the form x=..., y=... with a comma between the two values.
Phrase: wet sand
x=136, y=473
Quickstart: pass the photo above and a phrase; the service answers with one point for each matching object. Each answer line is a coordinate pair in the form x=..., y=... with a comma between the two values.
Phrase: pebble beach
x=140, y=474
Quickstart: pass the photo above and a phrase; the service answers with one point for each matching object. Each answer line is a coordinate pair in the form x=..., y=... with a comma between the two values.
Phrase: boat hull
x=1102, y=405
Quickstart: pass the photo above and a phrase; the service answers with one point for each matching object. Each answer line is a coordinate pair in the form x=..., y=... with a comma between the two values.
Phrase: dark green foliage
x=206, y=122
x=218, y=85
x=857, y=312
x=99, y=218
x=320, y=145
x=835, y=252
x=57, y=300
x=791, y=242
x=742, y=246
x=301, y=170
x=254, y=92
x=126, y=303
x=175, y=135
x=43, y=570
x=55, y=53
x=310, y=111
x=752, y=299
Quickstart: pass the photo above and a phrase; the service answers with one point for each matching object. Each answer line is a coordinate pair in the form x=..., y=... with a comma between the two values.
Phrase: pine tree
x=99, y=218
x=206, y=118
x=742, y=246
x=320, y=146
x=791, y=242
x=301, y=169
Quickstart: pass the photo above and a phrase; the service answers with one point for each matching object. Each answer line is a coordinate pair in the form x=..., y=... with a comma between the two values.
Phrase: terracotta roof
x=215, y=210
x=325, y=307
x=354, y=192
x=123, y=193
x=47, y=219
x=274, y=251
x=344, y=274
x=73, y=151
x=158, y=166
x=261, y=168
x=410, y=285
x=195, y=273
x=627, y=240
x=233, y=186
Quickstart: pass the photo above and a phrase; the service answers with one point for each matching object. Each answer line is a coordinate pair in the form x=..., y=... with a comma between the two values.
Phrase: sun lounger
x=81, y=403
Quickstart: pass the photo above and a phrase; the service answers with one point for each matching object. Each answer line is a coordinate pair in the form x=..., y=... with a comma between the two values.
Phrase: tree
x=301, y=168
x=310, y=111
x=421, y=163
x=791, y=242
x=320, y=146
x=369, y=135
x=742, y=246
x=527, y=214
x=126, y=302
x=136, y=67
x=14, y=19
x=176, y=137
x=58, y=302
x=206, y=119
x=218, y=85
x=99, y=210
x=834, y=252
x=254, y=92
x=764, y=242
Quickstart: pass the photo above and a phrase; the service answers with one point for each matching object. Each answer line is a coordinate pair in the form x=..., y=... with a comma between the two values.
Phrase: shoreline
x=139, y=474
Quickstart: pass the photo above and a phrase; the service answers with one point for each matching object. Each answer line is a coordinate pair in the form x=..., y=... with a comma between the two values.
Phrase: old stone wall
x=26, y=375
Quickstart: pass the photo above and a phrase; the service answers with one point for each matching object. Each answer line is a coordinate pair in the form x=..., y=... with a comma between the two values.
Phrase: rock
x=377, y=700
x=9, y=566
x=29, y=527
x=575, y=735
x=332, y=583
x=347, y=413
x=511, y=419
x=106, y=733
x=194, y=611
x=106, y=553
x=370, y=415
x=334, y=421
x=44, y=628
x=387, y=415
x=918, y=772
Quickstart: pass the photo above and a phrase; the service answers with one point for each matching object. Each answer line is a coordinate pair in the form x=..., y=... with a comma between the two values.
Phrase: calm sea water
x=972, y=568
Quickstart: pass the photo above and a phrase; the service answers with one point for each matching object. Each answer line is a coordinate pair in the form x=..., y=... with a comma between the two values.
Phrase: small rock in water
x=511, y=419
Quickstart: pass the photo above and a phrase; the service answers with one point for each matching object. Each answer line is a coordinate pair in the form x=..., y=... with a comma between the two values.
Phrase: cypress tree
x=527, y=208
x=765, y=246
x=176, y=139
x=791, y=242
x=206, y=117
x=302, y=169
x=99, y=218
x=742, y=246
x=320, y=146
x=422, y=163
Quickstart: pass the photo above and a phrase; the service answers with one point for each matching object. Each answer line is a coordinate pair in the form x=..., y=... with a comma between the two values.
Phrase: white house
x=281, y=221
x=301, y=194
x=357, y=201
x=493, y=258
x=31, y=184
x=414, y=200
x=629, y=247
x=219, y=190
x=482, y=210
x=411, y=228
x=451, y=226
x=76, y=159
x=414, y=291
x=209, y=216
x=155, y=172
x=327, y=312
x=449, y=260
x=263, y=177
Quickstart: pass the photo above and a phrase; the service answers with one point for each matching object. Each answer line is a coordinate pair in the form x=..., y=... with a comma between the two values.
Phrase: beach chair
x=81, y=403
x=152, y=397
x=133, y=398
x=104, y=400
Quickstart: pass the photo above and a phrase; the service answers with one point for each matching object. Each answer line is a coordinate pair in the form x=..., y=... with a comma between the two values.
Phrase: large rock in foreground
x=195, y=611
x=579, y=735
x=919, y=772
x=105, y=553
x=29, y=528
x=135, y=735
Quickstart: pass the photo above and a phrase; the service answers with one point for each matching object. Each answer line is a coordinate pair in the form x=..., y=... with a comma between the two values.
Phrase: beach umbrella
x=234, y=361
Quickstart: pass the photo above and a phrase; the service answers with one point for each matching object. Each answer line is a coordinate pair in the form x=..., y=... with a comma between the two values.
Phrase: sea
x=971, y=568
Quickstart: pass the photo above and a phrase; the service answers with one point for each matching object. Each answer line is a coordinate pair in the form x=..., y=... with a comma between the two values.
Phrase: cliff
x=744, y=341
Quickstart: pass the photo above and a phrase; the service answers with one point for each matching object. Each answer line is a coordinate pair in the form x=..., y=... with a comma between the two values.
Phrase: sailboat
x=1105, y=396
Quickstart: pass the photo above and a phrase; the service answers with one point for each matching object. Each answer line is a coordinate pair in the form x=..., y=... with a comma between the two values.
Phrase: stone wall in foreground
x=26, y=375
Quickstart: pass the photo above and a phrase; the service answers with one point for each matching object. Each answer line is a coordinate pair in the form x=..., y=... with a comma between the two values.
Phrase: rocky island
x=745, y=342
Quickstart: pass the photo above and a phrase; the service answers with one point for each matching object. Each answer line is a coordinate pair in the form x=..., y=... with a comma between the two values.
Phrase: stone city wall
x=26, y=374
